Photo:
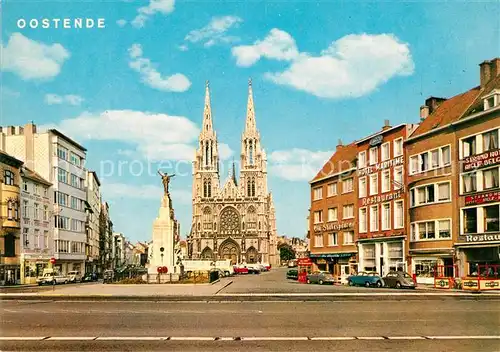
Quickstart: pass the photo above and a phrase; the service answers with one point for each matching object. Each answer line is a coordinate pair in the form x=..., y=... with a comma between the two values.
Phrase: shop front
x=428, y=264
x=382, y=254
x=32, y=265
x=339, y=264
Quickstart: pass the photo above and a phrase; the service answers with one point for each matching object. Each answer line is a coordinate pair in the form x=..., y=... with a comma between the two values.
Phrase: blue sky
x=133, y=92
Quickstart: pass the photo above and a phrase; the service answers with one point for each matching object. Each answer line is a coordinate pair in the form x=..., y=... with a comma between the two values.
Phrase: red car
x=240, y=270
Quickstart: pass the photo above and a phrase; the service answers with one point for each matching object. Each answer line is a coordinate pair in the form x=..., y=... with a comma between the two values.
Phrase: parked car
x=240, y=269
x=51, y=277
x=292, y=274
x=399, y=279
x=89, y=277
x=262, y=267
x=267, y=265
x=253, y=268
x=366, y=279
x=320, y=277
x=74, y=276
x=292, y=263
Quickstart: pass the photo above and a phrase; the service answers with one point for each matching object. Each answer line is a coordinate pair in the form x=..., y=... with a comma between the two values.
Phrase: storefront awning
x=333, y=255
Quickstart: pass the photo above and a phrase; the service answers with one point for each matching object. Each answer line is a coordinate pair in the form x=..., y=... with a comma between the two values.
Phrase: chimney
x=29, y=131
x=488, y=70
x=339, y=144
x=387, y=125
x=30, y=128
x=433, y=103
x=424, y=112
x=11, y=130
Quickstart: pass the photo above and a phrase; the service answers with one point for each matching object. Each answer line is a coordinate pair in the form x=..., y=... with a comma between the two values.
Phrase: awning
x=333, y=255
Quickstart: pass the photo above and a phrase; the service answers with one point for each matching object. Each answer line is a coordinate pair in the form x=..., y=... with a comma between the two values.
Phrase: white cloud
x=121, y=22
x=297, y=164
x=6, y=91
x=164, y=7
x=225, y=152
x=183, y=47
x=151, y=77
x=121, y=190
x=214, y=32
x=352, y=66
x=278, y=45
x=32, y=60
x=71, y=99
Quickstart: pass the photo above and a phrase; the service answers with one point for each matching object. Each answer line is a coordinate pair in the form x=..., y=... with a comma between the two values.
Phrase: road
x=228, y=326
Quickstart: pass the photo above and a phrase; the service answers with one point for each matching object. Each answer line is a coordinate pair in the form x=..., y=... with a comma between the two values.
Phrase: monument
x=165, y=234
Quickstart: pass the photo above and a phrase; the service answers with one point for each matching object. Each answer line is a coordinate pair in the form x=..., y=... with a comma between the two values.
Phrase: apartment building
x=60, y=160
x=37, y=225
x=381, y=174
x=10, y=219
x=332, y=218
x=93, y=199
x=105, y=238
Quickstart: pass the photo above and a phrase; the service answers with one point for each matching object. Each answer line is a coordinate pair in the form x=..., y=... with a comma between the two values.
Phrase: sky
x=133, y=92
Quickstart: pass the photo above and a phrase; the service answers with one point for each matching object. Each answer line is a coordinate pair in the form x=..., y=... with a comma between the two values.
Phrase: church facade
x=234, y=220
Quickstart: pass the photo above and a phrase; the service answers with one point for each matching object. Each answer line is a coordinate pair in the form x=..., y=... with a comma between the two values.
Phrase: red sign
x=482, y=198
x=304, y=261
x=162, y=270
x=52, y=260
x=488, y=158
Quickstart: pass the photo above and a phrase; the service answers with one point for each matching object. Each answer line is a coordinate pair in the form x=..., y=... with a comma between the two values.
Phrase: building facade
x=106, y=241
x=235, y=221
x=60, y=160
x=381, y=172
x=333, y=214
x=10, y=224
x=93, y=189
x=37, y=226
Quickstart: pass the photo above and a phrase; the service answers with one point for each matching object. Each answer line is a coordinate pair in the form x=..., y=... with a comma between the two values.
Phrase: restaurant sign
x=381, y=166
x=333, y=227
x=482, y=198
x=382, y=198
x=488, y=158
x=481, y=237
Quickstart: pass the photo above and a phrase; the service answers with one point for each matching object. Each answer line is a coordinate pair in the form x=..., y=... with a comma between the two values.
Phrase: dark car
x=399, y=279
x=292, y=274
x=320, y=277
x=365, y=279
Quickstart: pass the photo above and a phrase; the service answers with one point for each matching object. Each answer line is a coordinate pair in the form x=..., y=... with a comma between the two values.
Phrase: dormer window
x=492, y=100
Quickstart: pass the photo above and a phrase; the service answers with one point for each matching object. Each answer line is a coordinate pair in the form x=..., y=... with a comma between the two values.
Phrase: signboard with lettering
x=333, y=226
x=488, y=158
x=482, y=198
x=376, y=140
x=381, y=166
x=484, y=237
x=382, y=198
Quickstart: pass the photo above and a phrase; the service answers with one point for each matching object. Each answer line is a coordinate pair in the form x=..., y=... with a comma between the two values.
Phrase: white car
x=51, y=278
x=74, y=276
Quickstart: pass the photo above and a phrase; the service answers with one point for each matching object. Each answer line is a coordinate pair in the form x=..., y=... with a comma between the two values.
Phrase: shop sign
x=489, y=284
x=482, y=198
x=333, y=255
x=382, y=198
x=442, y=283
x=470, y=284
x=376, y=140
x=321, y=261
x=333, y=227
x=488, y=158
x=304, y=261
x=481, y=238
x=381, y=166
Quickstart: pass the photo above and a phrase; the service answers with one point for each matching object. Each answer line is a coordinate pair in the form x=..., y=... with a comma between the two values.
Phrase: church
x=234, y=220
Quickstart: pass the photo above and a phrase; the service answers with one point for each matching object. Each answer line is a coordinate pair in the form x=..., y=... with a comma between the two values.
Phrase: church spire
x=207, y=111
x=234, y=174
x=250, y=122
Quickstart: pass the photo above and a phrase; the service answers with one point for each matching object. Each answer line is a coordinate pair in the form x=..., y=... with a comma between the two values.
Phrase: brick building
x=332, y=219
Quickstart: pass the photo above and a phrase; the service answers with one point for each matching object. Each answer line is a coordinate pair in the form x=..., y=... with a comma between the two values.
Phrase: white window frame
x=350, y=206
x=385, y=225
x=344, y=182
x=335, y=236
x=374, y=229
x=316, y=242
x=388, y=185
x=387, y=147
x=415, y=233
x=436, y=194
x=345, y=237
x=362, y=159
x=402, y=181
x=318, y=219
x=318, y=193
x=417, y=169
x=395, y=143
x=373, y=151
x=372, y=190
x=365, y=229
x=362, y=190
x=335, y=212
x=402, y=214
x=331, y=186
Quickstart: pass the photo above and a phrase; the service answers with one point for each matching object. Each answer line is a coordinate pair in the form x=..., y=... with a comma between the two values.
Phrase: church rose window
x=229, y=221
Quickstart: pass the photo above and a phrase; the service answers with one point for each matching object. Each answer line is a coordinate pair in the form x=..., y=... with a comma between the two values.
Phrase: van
x=51, y=277
x=74, y=276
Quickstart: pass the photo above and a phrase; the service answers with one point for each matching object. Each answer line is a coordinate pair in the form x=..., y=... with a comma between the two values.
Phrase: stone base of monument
x=161, y=278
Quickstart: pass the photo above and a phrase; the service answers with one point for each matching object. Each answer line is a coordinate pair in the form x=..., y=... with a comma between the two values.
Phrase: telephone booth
x=303, y=267
x=444, y=276
x=486, y=277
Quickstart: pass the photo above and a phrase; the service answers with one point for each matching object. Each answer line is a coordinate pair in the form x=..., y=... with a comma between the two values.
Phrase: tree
x=287, y=253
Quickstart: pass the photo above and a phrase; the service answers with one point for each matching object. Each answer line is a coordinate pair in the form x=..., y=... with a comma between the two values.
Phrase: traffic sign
x=52, y=260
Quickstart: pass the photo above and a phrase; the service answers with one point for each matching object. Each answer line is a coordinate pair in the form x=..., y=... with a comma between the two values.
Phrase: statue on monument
x=165, y=179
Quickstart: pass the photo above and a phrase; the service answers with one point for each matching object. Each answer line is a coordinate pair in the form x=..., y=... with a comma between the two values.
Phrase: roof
x=9, y=159
x=67, y=139
x=456, y=108
x=383, y=131
x=341, y=161
x=34, y=176
x=95, y=177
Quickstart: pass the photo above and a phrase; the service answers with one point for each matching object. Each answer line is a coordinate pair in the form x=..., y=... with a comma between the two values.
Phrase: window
x=9, y=245
x=490, y=140
x=62, y=246
x=374, y=218
x=76, y=181
x=332, y=214
x=434, y=158
x=37, y=238
x=444, y=228
x=61, y=222
x=62, y=153
x=446, y=155
x=362, y=220
x=398, y=147
x=398, y=177
x=75, y=159
x=348, y=211
x=348, y=237
x=45, y=192
x=318, y=240
x=45, y=239
x=491, y=218
x=469, y=182
x=62, y=175
x=45, y=213
x=26, y=238
x=424, y=162
x=37, y=212
x=373, y=155
x=386, y=181
x=470, y=220
x=317, y=193
x=386, y=216
x=362, y=159
x=414, y=164
x=427, y=230
x=362, y=187
x=444, y=193
x=469, y=146
x=398, y=215
x=347, y=185
x=331, y=189
x=25, y=186
x=490, y=178
x=332, y=239
x=373, y=184
x=36, y=189
x=8, y=177
x=26, y=213
x=318, y=216
x=385, y=151
x=62, y=199
x=10, y=210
